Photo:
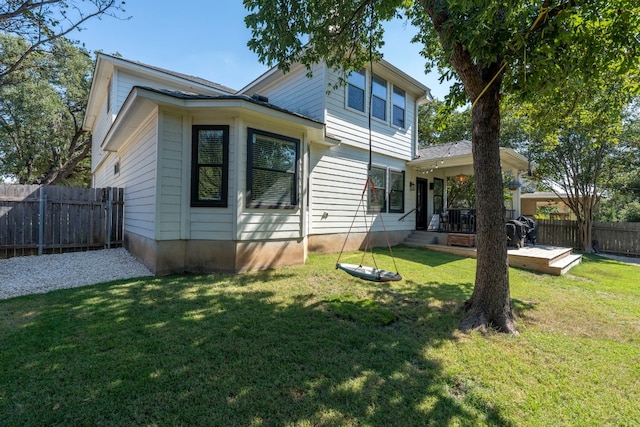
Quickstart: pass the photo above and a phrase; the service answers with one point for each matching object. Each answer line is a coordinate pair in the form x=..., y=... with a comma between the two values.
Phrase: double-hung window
x=272, y=170
x=385, y=182
x=378, y=190
x=379, y=99
x=399, y=107
x=396, y=191
x=356, y=90
x=209, y=165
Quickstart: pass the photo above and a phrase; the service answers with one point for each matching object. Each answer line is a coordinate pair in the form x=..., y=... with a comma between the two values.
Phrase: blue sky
x=208, y=39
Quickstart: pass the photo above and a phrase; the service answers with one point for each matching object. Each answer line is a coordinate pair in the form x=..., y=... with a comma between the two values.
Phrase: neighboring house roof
x=459, y=153
x=543, y=196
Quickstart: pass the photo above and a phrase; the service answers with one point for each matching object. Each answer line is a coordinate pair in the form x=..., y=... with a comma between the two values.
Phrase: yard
x=312, y=346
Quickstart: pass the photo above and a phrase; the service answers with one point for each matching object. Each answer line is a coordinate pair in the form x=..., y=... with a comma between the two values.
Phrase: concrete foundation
x=197, y=256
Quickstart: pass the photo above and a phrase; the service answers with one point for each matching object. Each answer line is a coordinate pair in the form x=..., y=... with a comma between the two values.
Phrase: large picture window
x=399, y=107
x=210, y=165
x=356, y=90
x=272, y=170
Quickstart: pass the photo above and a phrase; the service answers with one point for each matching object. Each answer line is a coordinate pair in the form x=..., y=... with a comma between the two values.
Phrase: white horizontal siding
x=352, y=126
x=103, y=176
x=170, y=178
x=99, y=131
x=299, y=93
x=271, y=224
x=138, y=171
x=338, y=180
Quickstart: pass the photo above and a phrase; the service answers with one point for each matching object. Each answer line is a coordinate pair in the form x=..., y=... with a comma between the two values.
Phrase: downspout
x=423, y=100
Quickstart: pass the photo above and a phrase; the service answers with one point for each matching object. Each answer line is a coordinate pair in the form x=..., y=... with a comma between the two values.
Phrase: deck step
x=541, y=258
x=562, y=265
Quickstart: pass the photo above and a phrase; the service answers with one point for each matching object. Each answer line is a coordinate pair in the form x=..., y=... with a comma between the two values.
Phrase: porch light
x=461, y=178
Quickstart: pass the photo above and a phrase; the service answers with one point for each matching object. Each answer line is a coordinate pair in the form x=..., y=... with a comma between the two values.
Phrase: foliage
x=40, y=24
x=582, y=134
x=439, y=124
x=488, y=47
x=41, y=114
x=262, y=349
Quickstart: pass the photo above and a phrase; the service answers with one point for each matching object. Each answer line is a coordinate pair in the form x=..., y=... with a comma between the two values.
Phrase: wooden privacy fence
x=621, y=238
x=37, y=219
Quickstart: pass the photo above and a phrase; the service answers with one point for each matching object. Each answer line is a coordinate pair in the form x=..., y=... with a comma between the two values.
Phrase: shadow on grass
x=212, y=350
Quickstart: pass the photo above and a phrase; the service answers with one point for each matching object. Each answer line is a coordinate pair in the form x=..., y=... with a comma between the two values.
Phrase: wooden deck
x=541, y=258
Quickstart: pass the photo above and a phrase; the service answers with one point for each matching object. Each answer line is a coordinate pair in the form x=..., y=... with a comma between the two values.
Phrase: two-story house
x=218, y=179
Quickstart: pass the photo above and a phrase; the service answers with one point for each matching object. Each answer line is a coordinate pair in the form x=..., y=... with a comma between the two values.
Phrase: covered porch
x=442, y=176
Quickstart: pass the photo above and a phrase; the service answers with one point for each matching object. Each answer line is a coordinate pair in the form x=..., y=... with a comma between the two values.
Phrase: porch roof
x=456, y=154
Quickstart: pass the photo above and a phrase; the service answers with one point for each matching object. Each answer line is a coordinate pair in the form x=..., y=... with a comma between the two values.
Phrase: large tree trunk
x=490, y=303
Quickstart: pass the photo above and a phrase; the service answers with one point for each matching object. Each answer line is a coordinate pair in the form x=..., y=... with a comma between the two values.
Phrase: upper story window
x=356, y=90
x=399, y=107
x=209, y=165
x=379, y=99
x=272, y=170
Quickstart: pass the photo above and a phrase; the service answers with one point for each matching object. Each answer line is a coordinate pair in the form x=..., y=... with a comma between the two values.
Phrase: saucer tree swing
x=372, y=274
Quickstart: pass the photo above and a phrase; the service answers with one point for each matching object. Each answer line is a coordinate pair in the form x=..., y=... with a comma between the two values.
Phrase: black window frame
x=196, y=167
x=397, y=108
x=249, y=202
x=375, y=192
x=377, y=99
x=396, y=192
x=351, y=85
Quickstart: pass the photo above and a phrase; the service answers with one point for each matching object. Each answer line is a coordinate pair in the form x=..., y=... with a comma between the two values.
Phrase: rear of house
x=222, y=180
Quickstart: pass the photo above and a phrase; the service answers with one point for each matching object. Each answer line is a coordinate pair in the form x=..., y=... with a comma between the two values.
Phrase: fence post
x=109, y=216
x=43, y=201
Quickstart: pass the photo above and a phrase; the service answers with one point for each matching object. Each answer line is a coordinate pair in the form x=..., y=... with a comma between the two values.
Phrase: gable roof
x=107, y=64
x=128, y=63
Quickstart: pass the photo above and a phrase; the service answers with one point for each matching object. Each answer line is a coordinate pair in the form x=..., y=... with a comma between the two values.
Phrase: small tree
x=581, y=129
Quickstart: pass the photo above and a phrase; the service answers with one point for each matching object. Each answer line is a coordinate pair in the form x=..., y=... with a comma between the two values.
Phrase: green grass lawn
x=312, y=346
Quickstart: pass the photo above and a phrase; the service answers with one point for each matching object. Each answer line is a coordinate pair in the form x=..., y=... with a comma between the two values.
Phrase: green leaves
x=41, y=114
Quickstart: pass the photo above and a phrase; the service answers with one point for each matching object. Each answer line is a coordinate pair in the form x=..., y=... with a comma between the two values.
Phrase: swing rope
x=378, y=275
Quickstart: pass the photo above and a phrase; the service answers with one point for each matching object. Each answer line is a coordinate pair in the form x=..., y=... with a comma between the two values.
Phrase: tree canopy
x=525, y=49
x=41, y=23
x=41, y=113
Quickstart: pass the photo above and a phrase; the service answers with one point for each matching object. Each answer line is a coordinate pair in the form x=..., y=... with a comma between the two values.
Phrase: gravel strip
x=625, y=259
x=41, y=274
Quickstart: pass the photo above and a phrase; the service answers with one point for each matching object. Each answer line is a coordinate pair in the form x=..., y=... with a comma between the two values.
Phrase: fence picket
x=620, y=238
x=70, y=219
